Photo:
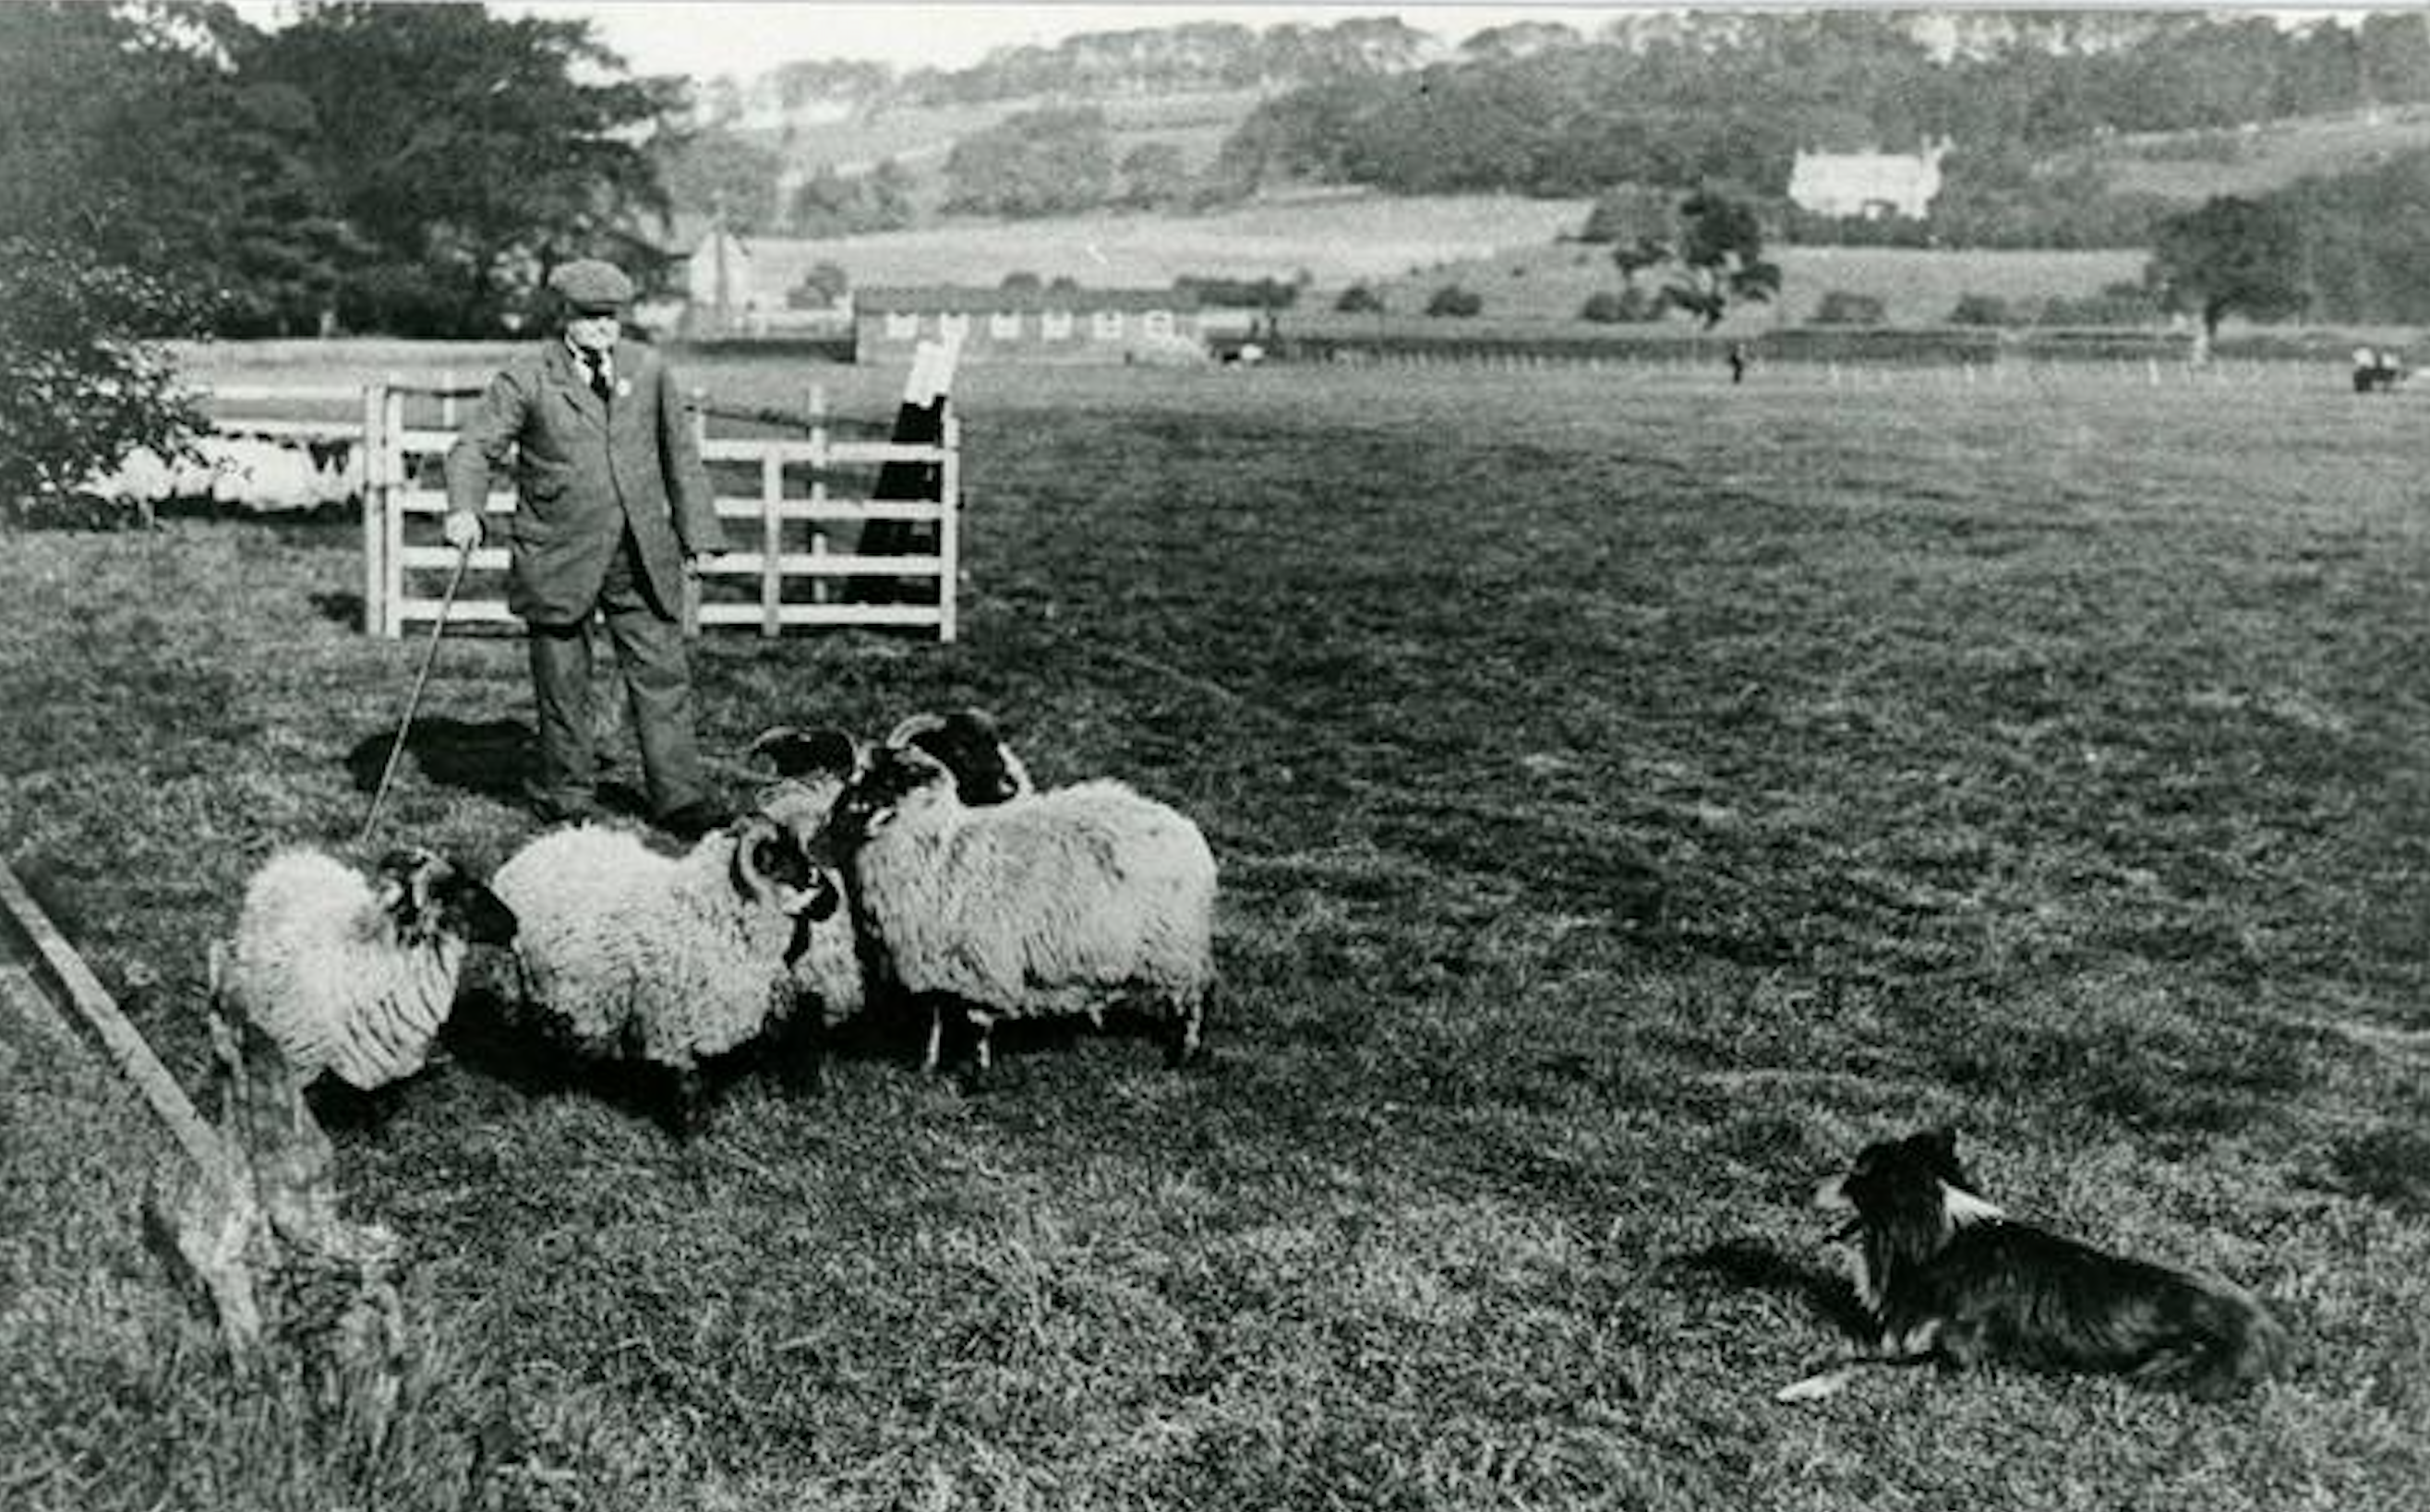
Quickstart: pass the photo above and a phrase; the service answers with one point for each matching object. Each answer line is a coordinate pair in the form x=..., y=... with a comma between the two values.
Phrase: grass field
x=1550, y=283
x=1631, y=797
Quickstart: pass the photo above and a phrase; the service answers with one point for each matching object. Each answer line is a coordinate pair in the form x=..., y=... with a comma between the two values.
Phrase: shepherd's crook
x=413, y=699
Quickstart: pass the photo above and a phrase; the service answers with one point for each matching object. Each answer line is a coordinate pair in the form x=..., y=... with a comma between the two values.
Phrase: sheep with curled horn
x=971, y=746
x=1069, y=902
x=351, y=975
x=631, y=955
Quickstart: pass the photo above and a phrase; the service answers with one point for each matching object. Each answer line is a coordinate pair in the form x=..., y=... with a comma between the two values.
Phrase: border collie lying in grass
x=1948, y=1278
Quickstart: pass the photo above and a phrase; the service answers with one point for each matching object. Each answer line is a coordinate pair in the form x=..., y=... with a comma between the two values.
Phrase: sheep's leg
x=1186, y=1030
x=936, y=1036
x=691, y=1103
x=982, y=1047
x=803, y=1053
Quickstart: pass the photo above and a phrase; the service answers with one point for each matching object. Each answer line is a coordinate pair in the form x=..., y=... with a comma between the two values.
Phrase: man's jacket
x=585, y=471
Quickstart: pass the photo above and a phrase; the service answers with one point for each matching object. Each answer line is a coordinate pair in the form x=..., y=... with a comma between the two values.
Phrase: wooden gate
x=792, y=573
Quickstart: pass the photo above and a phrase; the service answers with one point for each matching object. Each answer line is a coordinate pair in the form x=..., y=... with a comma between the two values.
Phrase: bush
x=1982, y=310
x=1360, y=300
x=1628, y=212
x=1238, y=294
x=1632, y=307
x=1841, y=307
x=82, y=381
x=2118, y=305
x=1450, y=299
x=826, y=283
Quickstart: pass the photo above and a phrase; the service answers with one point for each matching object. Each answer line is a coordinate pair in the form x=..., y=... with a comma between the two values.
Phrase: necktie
x=598, y=366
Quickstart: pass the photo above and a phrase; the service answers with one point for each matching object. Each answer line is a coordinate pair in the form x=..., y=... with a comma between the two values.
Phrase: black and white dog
x=1948, y=1278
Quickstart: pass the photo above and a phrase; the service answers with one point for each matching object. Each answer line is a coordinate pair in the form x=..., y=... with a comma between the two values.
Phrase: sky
x=743, y=37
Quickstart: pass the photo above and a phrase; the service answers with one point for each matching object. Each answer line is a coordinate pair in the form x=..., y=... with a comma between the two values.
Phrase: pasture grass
x=1632, y=796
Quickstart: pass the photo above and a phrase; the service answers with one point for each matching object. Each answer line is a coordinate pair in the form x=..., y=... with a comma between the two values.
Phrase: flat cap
x=589, y=287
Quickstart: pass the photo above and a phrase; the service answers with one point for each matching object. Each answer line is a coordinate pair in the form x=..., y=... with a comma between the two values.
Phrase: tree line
x=408, y=169
x=1677, y=111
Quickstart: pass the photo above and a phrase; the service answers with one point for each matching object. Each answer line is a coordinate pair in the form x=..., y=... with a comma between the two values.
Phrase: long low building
x=1068, y=321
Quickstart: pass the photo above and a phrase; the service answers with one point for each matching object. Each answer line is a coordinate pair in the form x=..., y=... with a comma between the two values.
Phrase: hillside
x=2194, y=166
x=1334, y=238
x=919, y=136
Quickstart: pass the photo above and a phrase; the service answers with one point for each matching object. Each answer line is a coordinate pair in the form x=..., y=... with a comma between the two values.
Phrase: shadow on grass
x=2387, y=1164
x=489, y=758
x=1753, y=1264
x=339, y=609
x=492, y=1038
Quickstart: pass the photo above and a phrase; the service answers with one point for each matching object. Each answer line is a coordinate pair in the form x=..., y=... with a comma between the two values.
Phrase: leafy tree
x=1155, y=173
x=2231, y=254
x=1625, y=212
x=1038, y=162
x=1633, y=257
x=472, y=151
x=1981, y=309
x=1240, y=293
x=716, y=171
x=1452, y=299
x=131, y=134
x=1360, y=300
x=80, y=383
x=821, y=285
x=1839, y=307
x=1519, y=39
x=1720, y=257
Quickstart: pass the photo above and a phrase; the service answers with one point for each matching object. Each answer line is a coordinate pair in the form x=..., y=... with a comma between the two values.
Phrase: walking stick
x=413, y=699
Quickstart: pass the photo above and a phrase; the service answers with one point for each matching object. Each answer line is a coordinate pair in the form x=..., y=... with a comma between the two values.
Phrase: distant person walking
x=1738, y=361
x=613, y=509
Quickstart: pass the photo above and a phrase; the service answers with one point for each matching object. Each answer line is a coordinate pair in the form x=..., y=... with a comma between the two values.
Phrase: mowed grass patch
x=1631, y=795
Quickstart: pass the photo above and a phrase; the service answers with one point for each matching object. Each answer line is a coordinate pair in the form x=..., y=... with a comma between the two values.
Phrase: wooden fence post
x=373, y=457
x=699, y=421
x=392, y=509
x=949, y=490
x=821, y=591
x=772, y=545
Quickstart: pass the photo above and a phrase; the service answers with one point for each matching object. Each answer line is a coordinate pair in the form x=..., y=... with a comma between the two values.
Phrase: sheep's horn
x=912, y=727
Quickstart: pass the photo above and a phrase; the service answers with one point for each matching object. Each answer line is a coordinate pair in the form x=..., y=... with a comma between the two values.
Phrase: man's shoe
x=693, y=819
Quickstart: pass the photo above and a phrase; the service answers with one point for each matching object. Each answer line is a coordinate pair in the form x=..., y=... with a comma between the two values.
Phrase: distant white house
x=1873, y=186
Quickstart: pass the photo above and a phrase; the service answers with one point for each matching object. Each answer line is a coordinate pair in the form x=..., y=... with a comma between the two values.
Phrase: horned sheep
x=1069, y=902
x=671, y=960
x=352, y=977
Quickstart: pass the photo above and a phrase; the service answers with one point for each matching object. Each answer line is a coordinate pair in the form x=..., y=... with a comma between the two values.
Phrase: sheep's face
x=772, y=867
x=429, y=898
x=973, y=749
x=872, y=800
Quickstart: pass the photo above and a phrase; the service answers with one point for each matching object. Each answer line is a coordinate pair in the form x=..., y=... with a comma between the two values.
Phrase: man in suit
x=613, y=510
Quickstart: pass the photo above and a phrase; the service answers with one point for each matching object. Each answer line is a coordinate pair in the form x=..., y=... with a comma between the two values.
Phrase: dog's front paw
x=1815, y=1387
